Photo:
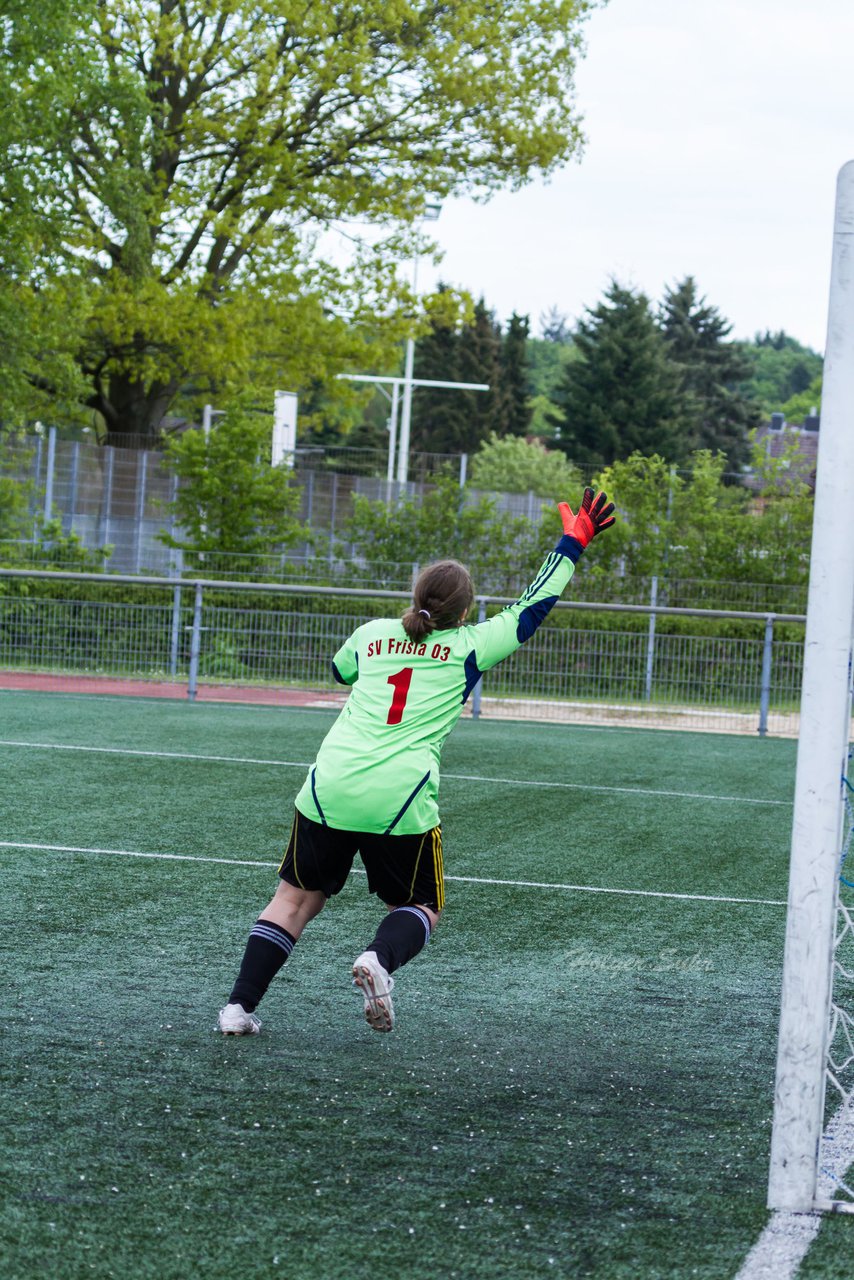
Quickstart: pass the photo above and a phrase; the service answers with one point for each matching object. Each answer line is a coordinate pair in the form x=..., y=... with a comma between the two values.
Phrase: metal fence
x=122, y=498
x=254, y=636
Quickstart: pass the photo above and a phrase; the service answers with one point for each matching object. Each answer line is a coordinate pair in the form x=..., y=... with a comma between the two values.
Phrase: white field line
x=455, y=777
x=511, y=884
x=783, y=1245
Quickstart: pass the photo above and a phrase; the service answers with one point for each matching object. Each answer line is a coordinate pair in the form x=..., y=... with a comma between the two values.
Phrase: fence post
x=48, y=483
x=106, y=495
x=765, y=687
x=176, y=570
x=37, y=469
x=141, y=474
x=650, y=644
x=478, y=689
x=333, y=515
x=72, y=484
x=195, y=644
x=173, y=521
x=464, y=466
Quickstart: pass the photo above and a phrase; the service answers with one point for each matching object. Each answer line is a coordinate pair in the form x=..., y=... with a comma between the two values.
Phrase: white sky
x=715, y=132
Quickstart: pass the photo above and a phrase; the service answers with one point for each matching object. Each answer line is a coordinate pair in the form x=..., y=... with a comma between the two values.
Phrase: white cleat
x=233, y=1020
x=376, y=986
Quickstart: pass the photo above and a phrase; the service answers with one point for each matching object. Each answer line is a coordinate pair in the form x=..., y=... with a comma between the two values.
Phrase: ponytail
x=442, y=594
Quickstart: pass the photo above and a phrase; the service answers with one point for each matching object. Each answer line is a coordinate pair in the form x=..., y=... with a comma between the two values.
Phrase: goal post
x=803, y=1043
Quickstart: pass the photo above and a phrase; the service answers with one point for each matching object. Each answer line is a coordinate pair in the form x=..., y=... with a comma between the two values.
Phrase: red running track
x=165, y=689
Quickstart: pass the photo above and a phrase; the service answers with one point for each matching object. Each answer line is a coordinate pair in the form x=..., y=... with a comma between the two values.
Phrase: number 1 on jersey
x=401, y=682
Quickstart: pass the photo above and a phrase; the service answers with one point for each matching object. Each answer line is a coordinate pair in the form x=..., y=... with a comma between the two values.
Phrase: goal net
x=836, y=1150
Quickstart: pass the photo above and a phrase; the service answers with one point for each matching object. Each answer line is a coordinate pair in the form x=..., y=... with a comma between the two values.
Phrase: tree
x=623, y=393
x=779, y=545
x=40, y=312
x=712, y=371
x=480, y=362
x=230, y=499
x=439, y=415
x=514, y=376
x=547, y=359
x=448, y=421
x=643, y=489
x=803, y=403
x=15, y=521
x=513, y=465
x=781, y=367
x=194, y=152
x=686, y=523
x=496, y=547
x=554, y=326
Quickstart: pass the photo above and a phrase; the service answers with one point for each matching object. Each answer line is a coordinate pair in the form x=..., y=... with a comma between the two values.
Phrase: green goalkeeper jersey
x=378, y=767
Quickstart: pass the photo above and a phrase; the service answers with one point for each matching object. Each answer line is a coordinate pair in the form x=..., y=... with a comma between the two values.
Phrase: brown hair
x=442, y=593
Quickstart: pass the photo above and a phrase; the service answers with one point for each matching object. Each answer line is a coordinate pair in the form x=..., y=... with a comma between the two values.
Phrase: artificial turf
x=579, y=1084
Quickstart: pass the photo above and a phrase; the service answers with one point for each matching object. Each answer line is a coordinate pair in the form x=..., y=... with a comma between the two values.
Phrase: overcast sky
x=715, y=132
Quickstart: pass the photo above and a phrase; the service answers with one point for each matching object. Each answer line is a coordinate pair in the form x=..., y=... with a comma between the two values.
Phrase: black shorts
x=401, y=869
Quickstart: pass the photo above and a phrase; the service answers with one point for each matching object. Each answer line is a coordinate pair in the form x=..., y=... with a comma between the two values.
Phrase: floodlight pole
x=429, y=214
x=822, y=752
x=392, y=430
x=406, y=414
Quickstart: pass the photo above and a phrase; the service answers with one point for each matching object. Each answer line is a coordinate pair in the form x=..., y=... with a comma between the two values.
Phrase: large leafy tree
x=40, y=307
x=718, y=415
x=623, y=394
x=197, y=151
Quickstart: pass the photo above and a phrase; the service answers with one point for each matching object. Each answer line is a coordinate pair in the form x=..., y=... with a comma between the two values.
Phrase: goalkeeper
x=374, y=786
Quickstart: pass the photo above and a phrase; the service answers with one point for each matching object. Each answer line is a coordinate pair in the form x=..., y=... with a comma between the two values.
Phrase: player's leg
x=407, y=873
x=315, y=866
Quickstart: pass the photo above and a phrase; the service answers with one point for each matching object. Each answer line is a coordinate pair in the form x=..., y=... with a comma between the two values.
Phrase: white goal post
x=812, y=931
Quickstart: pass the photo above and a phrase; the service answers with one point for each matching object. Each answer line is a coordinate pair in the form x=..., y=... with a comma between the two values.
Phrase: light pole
x=430, y=214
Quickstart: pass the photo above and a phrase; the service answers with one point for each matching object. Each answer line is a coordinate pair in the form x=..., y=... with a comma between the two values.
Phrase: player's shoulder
x=376, y=630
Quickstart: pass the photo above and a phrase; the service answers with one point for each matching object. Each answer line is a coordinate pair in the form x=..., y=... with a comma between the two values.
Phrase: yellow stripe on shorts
x=292, y=841
x=438, y=867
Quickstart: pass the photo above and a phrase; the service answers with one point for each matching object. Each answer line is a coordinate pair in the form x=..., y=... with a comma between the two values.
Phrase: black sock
x=267, y=949
x=401, y=936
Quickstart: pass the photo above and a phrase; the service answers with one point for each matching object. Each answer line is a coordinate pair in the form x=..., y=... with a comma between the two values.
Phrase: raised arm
x=500, y=636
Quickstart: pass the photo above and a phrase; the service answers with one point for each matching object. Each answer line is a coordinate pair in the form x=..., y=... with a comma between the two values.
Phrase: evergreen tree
x=480, y=361
x=514, y=376
x=712, y=371
x=438, y=415
x=547, y=358
x=446, y=421
x=623, y=395
x=554, y=326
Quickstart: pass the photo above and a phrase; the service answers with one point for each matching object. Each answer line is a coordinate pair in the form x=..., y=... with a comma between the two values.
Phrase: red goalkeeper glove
x=594, y=515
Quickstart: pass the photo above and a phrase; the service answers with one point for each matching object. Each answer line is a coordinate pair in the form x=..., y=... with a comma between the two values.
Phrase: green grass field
x=579, y=1083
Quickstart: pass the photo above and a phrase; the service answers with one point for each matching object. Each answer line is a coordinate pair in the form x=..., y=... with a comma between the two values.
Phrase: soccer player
x=373, y=788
